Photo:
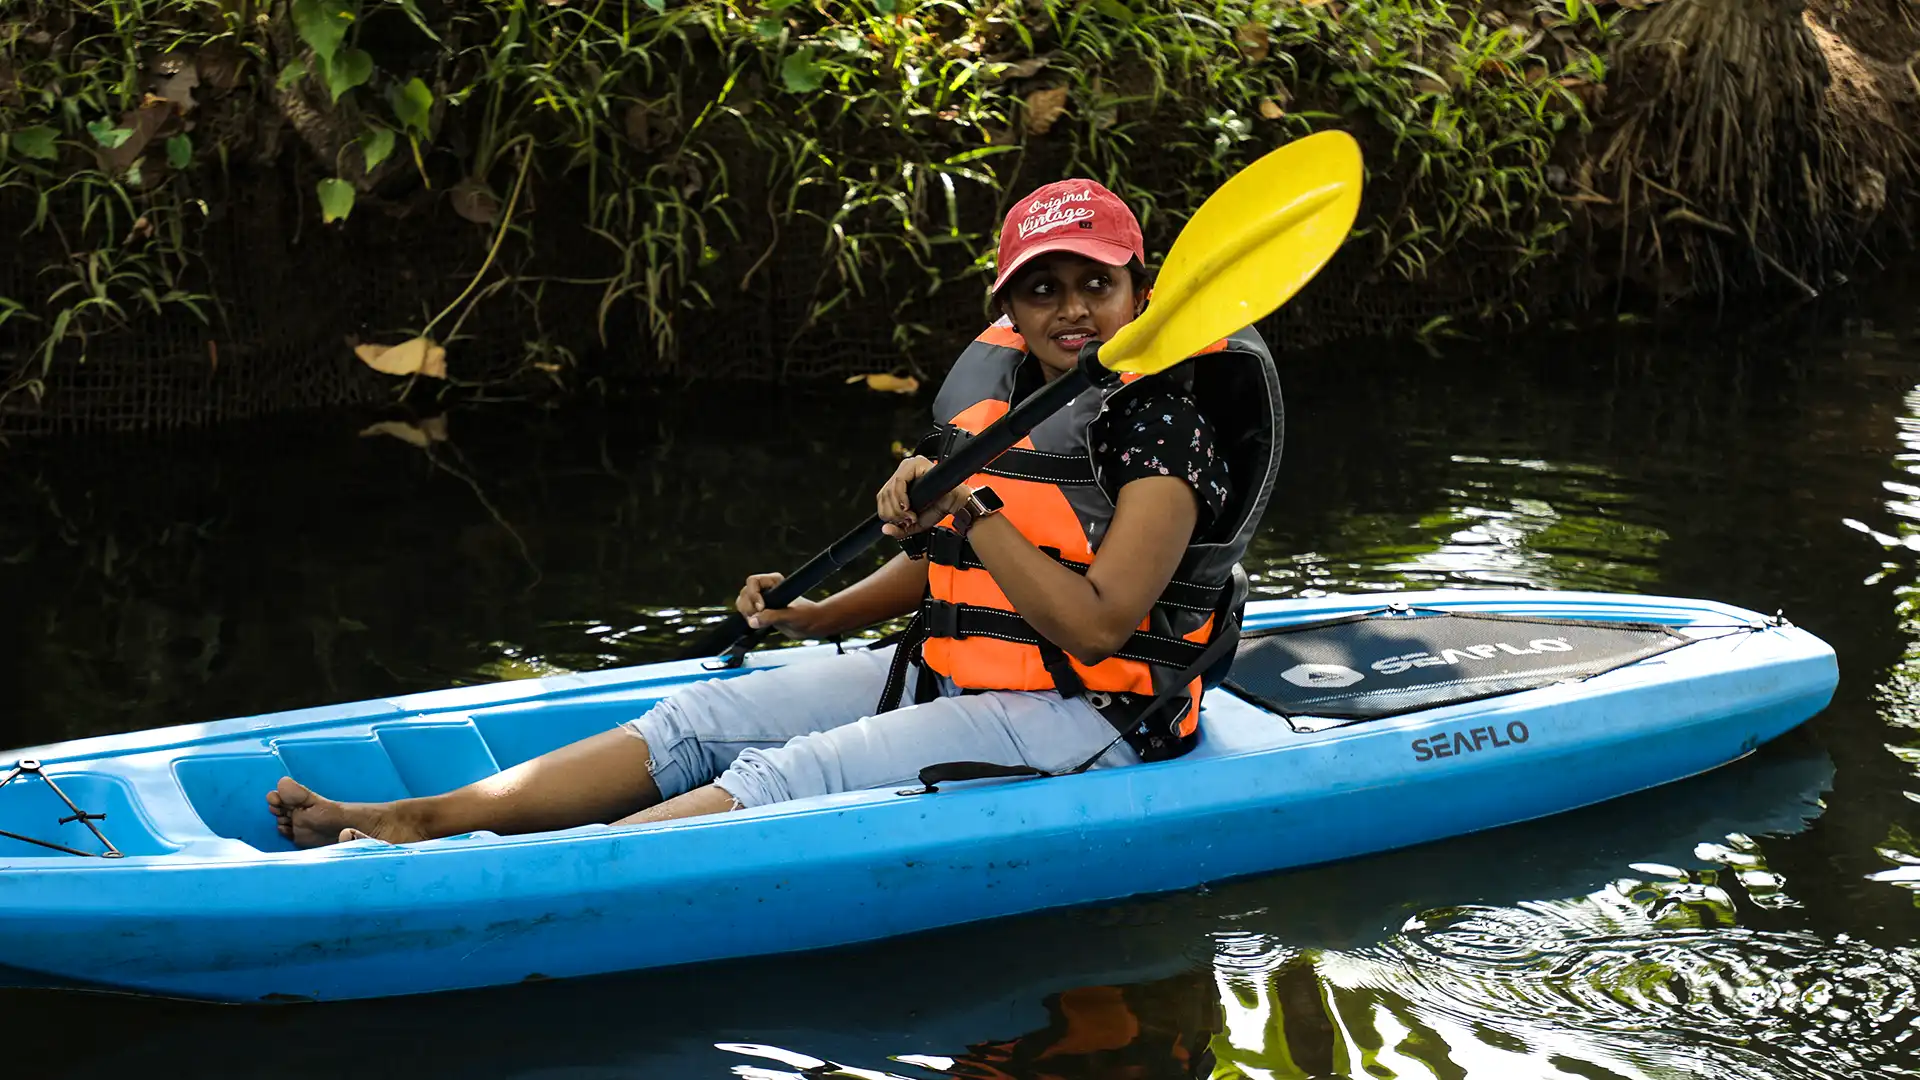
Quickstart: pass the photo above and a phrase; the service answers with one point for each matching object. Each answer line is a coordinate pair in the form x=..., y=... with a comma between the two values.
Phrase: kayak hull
x=210, y=903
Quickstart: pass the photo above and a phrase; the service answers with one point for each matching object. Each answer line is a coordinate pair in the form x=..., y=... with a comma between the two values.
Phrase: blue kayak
x=1348, y=725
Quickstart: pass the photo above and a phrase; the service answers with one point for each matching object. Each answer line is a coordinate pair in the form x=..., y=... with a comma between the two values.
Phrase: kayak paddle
x=1249, y=248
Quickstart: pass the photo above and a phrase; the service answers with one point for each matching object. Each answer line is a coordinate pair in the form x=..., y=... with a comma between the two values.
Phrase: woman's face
x=1061, y=301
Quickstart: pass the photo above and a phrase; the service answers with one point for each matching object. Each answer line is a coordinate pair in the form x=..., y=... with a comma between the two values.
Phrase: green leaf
x=767, y=29
x=292, y=73
x=659, y=6
x=108, y=134
x=885, y=7
x=322, y=24
x=800, y=74
x=179, y=151
x=1115, y=10
x=37, y=142
x=347, y=70
x=413, y=104
x=375, y=145
x=336, y=200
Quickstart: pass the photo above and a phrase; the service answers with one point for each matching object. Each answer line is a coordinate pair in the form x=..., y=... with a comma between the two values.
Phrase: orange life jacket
x=1047, y=482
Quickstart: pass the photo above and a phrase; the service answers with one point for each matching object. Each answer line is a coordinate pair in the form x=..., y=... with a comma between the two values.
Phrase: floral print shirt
x=1160, y=432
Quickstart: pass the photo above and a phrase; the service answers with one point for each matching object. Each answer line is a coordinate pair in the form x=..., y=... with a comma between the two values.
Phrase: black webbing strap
x=1066, y=681
x=947, y=620
x=1016, y=463
x=908, y=641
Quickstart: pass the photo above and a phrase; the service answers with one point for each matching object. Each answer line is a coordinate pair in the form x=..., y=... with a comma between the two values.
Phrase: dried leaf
x=1254, y=41
x=474, y=201
x=423, y=434
x=889, y=384
x=415, y=357
x=1270, y=110
x=1044, y=107
x=125, y=143
x=178, y=88
x=638, y=125
x=1025, y=69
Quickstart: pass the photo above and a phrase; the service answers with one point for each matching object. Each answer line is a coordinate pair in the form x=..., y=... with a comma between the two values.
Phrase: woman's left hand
x=894, y=508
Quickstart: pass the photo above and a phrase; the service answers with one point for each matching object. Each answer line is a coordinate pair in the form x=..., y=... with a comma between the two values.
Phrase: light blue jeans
x=809, y=729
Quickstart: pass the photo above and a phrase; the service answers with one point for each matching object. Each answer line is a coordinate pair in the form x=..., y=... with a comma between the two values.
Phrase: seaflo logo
x=1470, y=741
x=1319, y=675
x=1046, y=215
x=1394, y=665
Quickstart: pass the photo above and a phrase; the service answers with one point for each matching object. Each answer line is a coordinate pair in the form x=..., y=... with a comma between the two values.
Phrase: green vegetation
x=695, y=142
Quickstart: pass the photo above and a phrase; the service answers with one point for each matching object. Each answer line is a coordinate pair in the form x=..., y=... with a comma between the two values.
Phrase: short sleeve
x=1162, y=433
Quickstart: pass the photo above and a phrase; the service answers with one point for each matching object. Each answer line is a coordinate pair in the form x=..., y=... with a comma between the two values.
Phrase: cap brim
x=1103, y=251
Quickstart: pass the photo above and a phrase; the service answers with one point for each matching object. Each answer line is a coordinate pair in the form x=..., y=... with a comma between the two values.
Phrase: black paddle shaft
x=734, y=638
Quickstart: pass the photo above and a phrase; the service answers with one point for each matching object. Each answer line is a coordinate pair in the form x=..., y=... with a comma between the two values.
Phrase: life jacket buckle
x=943, y=619
x=1100, y=700
x=945, y=547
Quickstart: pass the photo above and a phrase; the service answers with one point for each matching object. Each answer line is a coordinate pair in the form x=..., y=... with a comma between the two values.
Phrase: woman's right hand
x=796, y=621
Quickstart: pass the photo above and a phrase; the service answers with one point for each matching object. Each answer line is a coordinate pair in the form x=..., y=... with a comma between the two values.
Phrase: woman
x=1075, y=579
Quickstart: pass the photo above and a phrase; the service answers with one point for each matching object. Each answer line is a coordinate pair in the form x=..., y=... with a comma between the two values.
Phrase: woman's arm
x=889, y=592
x=1091, y=617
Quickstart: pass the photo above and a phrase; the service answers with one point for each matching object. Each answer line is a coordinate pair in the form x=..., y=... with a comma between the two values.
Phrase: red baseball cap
x=1070, y=215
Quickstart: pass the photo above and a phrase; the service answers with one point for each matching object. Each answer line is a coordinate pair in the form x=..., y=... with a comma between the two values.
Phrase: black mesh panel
x=1363, y=668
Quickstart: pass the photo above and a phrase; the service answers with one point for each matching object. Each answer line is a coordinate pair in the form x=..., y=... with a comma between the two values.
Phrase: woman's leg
x=597, y=778
x=675, y=747
x=1004, y=727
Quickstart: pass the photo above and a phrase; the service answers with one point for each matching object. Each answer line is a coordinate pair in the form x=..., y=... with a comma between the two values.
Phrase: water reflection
x=1756, y=922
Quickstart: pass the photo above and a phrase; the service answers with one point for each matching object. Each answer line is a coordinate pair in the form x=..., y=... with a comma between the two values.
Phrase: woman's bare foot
x=312, y=821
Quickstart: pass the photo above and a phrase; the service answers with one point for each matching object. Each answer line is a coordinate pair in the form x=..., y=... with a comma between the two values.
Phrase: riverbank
x=230, y=209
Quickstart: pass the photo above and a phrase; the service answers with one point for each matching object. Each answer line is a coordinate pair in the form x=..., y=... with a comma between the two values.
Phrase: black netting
x=293, y=297
x=1386, y=663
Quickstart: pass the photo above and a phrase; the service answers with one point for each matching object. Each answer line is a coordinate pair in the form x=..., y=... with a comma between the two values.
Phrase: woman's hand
x=893, y=507
x=797, y=621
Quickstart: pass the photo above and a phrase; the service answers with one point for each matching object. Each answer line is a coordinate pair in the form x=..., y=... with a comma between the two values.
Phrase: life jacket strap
x=907, y=651
x=948, y=620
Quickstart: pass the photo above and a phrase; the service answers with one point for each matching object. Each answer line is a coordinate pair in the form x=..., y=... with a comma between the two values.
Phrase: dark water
x=1756, y=922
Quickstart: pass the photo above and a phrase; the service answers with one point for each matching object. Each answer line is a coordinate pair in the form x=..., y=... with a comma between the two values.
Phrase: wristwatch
x=982, y=503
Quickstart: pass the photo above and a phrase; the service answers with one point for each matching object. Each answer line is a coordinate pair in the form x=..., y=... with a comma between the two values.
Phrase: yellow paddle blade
x=1246, y=251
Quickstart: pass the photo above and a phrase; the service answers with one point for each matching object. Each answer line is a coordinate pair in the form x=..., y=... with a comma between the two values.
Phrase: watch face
x=988, y=499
